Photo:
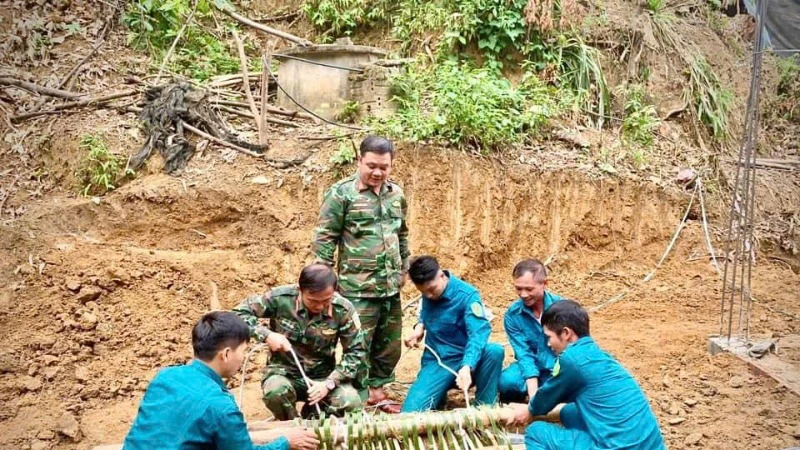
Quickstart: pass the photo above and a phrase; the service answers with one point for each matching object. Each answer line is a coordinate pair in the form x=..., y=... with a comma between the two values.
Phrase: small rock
x=89, y=294
x=736, y=382
x=690, y=402
x=46, y=435
x=674, y=410
x=762, y=317
x=32, y=384
x=74, y=286
x=39, y=445
x=8, y=364
x=676, y=420
x=693, y=439
x=796, y=432
x=49, y=360
x=260, y=179
x=68, y=426
x=81, y=373
x=88, y=321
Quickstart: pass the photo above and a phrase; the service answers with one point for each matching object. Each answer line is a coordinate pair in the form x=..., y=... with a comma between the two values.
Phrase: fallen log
x=269, y=30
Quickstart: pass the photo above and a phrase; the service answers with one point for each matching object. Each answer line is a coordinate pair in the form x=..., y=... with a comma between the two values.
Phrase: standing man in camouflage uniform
x=309, y=318
x=364, y=217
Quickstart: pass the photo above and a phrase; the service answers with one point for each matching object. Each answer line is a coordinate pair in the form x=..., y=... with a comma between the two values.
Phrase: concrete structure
x=319, y=77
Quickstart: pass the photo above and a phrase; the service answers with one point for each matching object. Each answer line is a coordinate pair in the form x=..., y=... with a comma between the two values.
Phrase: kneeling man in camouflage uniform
x=309, y=318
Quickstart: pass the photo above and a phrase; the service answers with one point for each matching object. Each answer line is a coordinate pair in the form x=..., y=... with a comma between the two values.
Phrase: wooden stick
x=239, y=112
x=262, y=138
x=87, y=102
x=266, y=29
x=43, y=90
x=246, y=84
x=211, y=138
x=270, y=108
x=81, y=63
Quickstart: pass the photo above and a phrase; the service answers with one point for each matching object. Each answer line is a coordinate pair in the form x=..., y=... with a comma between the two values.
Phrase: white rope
x=705, y=228
x=441, y=364
x=305, y=378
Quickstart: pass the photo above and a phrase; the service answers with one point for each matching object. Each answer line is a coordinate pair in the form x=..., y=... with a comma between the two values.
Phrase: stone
x=68, y=426
x=88, y=321
x=50, y=372
x=39, y=445
x=89, y=293
x=8, y=364
x=32, y=384
x=49, y=360
x=74, y=286
x=693, y=439
x=736, y=382
x=675, y=409
x=676, y=420
x=46, y=435
x=82, y=373
x=690, y=402
x=796, y=432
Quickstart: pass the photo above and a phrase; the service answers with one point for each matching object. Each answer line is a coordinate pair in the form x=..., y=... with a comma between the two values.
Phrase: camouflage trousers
x=381, y=322
x=282, y=391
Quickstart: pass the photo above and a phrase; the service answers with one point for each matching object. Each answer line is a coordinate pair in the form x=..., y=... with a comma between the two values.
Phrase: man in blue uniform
x=604, y=406
x=190, y=408
x=454, y=324
x=523, y=325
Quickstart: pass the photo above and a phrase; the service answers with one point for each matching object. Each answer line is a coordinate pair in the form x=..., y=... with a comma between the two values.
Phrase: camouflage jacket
x=313, y=338
x=370, y=234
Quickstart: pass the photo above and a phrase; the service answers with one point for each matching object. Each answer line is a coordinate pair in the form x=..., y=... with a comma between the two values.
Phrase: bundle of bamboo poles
x=462, y=429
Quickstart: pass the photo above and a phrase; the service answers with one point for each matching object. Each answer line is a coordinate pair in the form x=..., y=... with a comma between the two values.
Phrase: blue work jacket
x=527, y=338
x=607, y=397
x=190, y=408
x=456, y=327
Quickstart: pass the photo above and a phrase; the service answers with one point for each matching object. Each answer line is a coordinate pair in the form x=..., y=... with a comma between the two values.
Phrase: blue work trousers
x=512, y=387
x=572, y=435
x=430, y=390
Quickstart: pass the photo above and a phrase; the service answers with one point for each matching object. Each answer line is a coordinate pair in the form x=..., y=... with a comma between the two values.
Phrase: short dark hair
x=423, y=269
x=566, y=314
x=376, y=144
x=532, y=266
x=316, y=278
x=217, y=330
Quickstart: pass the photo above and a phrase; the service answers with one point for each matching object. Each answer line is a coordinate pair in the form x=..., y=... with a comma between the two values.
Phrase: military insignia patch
x=477, y=309
x=557, y=368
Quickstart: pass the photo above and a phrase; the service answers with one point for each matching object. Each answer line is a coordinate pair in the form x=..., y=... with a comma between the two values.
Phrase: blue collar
x=547, y=300
x=204, y=369
x=449, y=290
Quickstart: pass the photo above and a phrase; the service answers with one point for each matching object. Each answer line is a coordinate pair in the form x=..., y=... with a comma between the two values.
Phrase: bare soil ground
x=97, y=294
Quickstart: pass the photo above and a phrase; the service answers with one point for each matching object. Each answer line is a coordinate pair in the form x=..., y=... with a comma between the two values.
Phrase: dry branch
x=80, y=64
x=42, y=90
x=272, y=109
x=239, y=112
x=266, y=29
x=78, y=104
x=211, y=138
x=246, y=87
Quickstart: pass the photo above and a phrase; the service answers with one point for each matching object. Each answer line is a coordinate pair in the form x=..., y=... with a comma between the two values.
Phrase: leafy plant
x=655, y=6
x=466, y=106
x=345, y=153
x=641, y=120
x=342, y=17
x=100, y=169
x=201, y=53
x=710, y=101
x=349, y=112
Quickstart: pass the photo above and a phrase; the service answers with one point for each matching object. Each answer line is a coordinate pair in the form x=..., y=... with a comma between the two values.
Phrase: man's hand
x=278, y=342
x=317, y=392
x=301, y=439
x=464, y=378
x=520, y=415
x=533, y=386
x=415, y=338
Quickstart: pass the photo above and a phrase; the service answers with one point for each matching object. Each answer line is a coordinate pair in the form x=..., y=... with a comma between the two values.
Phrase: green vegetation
x=468, y=107
x=100, y=169
x=656, y=6
x=349, y=112
x=346, y=152
x=201, y=52
x=640, y=121
x=710, y=101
